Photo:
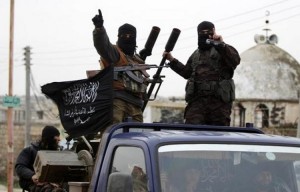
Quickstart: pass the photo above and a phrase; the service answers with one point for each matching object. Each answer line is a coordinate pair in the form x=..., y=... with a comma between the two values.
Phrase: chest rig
x=133, y=81
x=206, y=74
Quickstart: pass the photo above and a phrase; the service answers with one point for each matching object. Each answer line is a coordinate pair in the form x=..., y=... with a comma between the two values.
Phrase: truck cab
x=174, y=157
x=158, y=157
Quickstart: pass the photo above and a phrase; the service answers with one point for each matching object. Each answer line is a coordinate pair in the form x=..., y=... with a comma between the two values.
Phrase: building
x=165, y=110
x=267, y=87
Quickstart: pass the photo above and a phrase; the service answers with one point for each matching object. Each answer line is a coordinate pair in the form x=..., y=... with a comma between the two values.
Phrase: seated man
x=264, y=181
x=188, y=182
x=28, y=180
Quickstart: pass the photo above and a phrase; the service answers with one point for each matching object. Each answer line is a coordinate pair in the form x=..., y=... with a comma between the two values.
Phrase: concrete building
x=267, y=86
x=166, y=110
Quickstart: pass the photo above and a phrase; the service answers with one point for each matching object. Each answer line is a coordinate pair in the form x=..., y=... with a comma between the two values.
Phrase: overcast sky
x=60, y=33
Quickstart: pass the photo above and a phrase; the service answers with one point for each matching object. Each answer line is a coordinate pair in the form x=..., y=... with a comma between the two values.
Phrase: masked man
x=24, y=165
x=210, y=89
x=129, y=86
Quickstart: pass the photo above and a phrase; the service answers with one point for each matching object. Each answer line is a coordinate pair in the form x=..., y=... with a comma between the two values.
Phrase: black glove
x=98, y=20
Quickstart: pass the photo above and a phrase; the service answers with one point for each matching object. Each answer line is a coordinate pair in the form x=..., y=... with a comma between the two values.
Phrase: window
x=228, y=167
x=19, y=116
x=238, y=115
x=261, y=116
x=40, y=114
x=128, y=167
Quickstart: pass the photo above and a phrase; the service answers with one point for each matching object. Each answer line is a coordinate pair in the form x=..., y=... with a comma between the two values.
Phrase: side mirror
x=119, y=182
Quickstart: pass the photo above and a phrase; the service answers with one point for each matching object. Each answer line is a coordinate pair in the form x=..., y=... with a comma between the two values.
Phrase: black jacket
x=24, y=165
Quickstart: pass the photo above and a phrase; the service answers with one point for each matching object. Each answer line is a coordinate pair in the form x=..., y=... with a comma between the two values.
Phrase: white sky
x=60, y=33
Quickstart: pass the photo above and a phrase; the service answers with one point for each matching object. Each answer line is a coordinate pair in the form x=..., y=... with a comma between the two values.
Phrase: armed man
x=129, y=87
x=210, y=89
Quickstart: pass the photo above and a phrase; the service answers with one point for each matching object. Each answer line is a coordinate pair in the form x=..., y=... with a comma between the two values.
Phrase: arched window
x=238, y=115
x=261, y=116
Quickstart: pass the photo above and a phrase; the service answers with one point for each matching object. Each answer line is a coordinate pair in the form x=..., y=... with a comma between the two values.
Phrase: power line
x=257, y=18
x=254, y=28
x=65, y=51
x=79, y=55
x=6, y=68
x=43, y=106
x=250, y=29
x=70, y=64
x=242, y=14
x=67, y=57
x=251, y=11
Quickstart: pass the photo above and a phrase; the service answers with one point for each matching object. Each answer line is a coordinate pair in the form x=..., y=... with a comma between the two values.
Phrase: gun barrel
x=172, y=40
x=157, y=77
x=152, y=38
x=135, y=67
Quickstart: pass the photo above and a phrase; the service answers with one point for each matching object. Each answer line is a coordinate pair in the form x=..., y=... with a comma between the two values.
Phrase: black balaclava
x=205, y=25
x=127, y=44
x=48, y=142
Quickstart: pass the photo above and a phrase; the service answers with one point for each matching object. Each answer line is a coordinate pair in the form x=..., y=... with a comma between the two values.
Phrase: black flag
x=85, y=106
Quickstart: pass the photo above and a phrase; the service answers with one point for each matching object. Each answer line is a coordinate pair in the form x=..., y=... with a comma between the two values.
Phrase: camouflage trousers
x=123, y=109
x=208, y=111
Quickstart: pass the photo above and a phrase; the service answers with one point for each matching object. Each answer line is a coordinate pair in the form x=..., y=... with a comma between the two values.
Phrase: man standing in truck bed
x=209, y=71
x=129, y=87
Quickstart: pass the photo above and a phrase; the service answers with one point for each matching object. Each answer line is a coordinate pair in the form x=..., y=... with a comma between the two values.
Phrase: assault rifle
x=157, y=78
x=136, y=67
x=128, y=69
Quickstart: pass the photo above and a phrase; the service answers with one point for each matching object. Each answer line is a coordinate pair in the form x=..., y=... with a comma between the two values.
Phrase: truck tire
x=88, y=161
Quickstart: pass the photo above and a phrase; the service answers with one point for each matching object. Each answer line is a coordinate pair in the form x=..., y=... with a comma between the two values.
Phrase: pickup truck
x=158, y=157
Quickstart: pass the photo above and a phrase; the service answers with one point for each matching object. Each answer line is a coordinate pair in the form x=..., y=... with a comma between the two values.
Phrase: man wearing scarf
x=24, y=167
x=210, y=89
x=128, y=90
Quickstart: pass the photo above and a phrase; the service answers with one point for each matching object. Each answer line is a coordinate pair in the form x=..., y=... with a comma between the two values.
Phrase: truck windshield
x=228, y=167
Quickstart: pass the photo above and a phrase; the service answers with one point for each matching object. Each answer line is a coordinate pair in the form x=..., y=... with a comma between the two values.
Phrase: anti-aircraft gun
x=157, y=77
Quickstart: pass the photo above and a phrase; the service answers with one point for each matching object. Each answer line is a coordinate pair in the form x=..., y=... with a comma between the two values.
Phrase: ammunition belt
x=208, y=78
x=206, y=87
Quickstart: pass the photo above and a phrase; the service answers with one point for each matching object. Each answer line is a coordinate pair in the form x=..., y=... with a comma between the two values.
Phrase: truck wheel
x=88, y=161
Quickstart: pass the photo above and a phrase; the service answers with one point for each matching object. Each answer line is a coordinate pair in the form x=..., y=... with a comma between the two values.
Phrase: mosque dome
x=267, y=72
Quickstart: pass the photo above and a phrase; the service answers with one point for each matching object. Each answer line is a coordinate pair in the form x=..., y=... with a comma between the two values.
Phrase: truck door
x=125, y=168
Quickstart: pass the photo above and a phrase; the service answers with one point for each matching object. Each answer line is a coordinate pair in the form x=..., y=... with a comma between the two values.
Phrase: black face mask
x=48, y=144
x=202, y=42
x=128, y=45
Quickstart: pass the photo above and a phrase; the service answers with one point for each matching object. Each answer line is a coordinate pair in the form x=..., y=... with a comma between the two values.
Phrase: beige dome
x=267, y=72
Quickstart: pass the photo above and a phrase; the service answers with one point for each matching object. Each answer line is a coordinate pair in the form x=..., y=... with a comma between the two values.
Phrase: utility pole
x=27, y=103
x=10, y=124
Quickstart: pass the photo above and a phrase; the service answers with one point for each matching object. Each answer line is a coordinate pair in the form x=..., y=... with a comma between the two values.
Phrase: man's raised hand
x=98, y=20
